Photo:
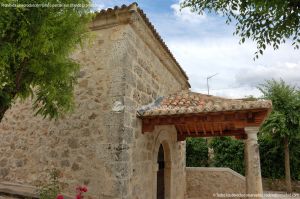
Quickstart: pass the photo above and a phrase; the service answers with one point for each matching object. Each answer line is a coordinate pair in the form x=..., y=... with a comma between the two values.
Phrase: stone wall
x=204, y=182
x=100, y=144
x=147, y=77
x=86, y=146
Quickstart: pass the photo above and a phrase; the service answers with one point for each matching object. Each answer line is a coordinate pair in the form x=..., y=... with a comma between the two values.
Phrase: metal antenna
x=209, y=77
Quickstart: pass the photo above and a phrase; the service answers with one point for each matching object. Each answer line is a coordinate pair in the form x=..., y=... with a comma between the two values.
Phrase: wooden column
x=252, y=164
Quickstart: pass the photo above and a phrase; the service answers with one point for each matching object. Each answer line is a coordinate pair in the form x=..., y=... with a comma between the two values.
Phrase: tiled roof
x=187, y=102
x=134, y=7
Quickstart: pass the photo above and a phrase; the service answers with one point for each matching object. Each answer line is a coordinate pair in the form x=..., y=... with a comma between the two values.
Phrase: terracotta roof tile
x=187, y=102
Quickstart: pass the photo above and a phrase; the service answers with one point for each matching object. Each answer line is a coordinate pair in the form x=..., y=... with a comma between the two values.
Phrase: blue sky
x=204, y=45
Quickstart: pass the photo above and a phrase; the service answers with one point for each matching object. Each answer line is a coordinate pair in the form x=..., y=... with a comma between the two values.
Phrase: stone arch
x=163, y=138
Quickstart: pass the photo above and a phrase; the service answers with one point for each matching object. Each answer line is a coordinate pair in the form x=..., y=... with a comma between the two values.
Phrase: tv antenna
x=209, y=77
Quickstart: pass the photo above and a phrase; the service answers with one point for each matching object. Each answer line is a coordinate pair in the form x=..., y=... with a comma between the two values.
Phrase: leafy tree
x=196, y=152
x=272, y=157
x=228, y=152
x=265, y=22
x=283, y=123
x=35, y=44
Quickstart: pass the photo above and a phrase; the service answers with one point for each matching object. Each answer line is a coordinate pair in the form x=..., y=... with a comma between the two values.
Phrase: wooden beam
x=178, y=127
x=180, y=137
x=147, y=128
x=212, y=128
x=237, y=133
x=220, y=128
x=206, y=123
x=188, y=130
x=203, y=128
x=223, y=117
x=196, y=129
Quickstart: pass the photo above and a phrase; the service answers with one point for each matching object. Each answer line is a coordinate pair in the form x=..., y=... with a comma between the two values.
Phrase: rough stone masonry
x=125, y=66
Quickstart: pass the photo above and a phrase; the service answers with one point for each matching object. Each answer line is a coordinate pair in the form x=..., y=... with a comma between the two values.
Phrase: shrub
x=53, y=190
x=196, y=152
x=228, y=152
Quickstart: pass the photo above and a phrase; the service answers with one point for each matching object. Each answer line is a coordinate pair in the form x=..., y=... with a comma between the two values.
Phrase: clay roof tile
x=187, y=102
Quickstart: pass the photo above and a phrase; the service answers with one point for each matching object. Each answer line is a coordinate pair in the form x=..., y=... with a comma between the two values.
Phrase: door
x=161, y=174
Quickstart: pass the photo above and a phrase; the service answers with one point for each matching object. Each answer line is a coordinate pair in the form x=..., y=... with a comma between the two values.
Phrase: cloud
x=187, y=15
x=98, y=6
x=201, y=58
x=238, y=74
x=204, y=45
x=287, y=71
x=104, y=4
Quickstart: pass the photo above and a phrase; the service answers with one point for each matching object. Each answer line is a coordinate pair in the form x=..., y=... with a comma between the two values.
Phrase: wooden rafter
x=208, y=125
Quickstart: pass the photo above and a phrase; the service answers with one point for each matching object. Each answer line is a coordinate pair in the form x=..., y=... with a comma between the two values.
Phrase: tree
x=35, y=45
x=272, y=157
x=265, y=22
x=196, y=152
x=228, y=152
x=283, y=123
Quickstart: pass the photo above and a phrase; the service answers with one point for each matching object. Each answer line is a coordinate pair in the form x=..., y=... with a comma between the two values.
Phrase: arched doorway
x=160, y=174
x=162, y=165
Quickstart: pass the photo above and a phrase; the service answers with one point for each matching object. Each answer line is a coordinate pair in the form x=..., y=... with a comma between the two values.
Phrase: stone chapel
x=126, y=136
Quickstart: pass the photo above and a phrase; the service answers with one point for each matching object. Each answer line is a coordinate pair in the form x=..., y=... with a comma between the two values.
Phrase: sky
x=204, y=45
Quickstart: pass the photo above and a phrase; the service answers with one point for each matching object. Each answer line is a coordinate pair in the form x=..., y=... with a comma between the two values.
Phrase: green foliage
x=265, y=22
x=272, y=158
x=284, y=121
x=250, y=98
x=283, y=125
x=295, y=158
x=196, y=152
x=35, y=45
x=228, y=152
x=52, y=189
